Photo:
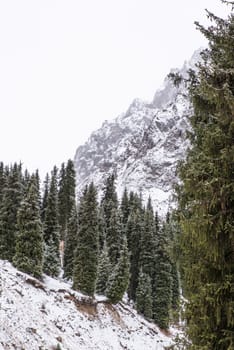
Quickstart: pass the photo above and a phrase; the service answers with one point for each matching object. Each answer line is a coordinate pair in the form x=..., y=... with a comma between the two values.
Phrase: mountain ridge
x=141, y=146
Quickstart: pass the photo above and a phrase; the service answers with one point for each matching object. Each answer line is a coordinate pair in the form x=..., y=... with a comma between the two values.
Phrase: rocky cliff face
x=142, y=146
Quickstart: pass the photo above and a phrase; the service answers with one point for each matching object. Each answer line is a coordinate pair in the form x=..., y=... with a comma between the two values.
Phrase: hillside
x=45, y=315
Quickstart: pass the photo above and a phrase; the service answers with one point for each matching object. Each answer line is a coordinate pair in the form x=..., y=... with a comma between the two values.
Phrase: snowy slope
x=142, y=146
x=38, y=315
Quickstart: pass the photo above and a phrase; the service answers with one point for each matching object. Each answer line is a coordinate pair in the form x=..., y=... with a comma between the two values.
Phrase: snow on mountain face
x=142, y=146
x=49, y=315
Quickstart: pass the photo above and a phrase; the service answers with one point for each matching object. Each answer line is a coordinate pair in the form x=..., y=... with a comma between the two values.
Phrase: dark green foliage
x=114, y=236
x=144, y=301
x=51, y=264
x=109, y=200
x=135, y=202
x=101, y=228
x=118, y=282
x=66, y=195
x=148, y=242
x=104, y=270
x=86, y=254
x=29, y=242
x=171, y=232
x=125, y=209
x=51, y=212
x=70, y=243
x=134, y=231
x=206, y=195
x=175, y=298
x=70, y=186
x=37, y=177
x=51, y=229
x=26, y=181
x=62, y=202
x=45, y=197
x=112, y=219
x=162, y=282
x=12, y=196
x=3, y=181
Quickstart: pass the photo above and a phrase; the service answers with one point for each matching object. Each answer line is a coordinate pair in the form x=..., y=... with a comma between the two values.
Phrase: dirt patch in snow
x=83, y=305
x=115, y=315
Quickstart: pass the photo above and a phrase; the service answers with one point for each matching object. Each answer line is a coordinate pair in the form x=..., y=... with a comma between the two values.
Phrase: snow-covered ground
x=37, y=315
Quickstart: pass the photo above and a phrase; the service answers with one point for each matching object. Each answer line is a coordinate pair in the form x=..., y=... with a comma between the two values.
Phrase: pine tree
x=114, y=233
x=26, y=181
x=29, y=242
x=66, y=195
x=118, y=281
x=51, y=264
x=12, y=196
x=206, y=194
x=134, y=230
x=86, y=253
x=109, y=200
x=101, y=228
x=112, y=218
x=51, y=229
x=104, y=270
x=62, y=201
x=162, y=282
x=70, y=187
x=70, y=243
x=125, y=210
x=171, y=232
x=144, y=301
x=3, y=180
x=148, y=242
x=175, y=297
x=45, y=197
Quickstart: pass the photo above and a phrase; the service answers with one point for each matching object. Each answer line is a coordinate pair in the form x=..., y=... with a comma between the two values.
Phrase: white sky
x=66, y=66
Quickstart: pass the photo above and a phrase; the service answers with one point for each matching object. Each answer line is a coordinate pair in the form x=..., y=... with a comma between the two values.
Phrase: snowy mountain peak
x=142, y=146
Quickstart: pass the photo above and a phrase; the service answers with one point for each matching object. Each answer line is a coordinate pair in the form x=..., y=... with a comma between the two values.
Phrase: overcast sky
x=66, y=66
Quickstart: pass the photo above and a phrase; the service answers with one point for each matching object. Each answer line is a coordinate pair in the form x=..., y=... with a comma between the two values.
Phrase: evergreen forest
x=112, y=247
x=120, y=247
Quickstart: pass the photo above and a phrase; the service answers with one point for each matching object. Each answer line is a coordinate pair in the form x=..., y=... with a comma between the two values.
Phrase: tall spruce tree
x=104, y=271
x=114, y=236
x=101, y=228
x=86, y=253
x=12, y=196
x=26, y=181
x=66, y=195
x=109, y=200
x=125, y=210
x=134, y=231
x=45, y=197
x=62, y=201
x=2, y=181
x=29, y=241
x=70, y=243
x=118, y=281
x=171, y=231
x=206, y=195
x=148, y=242
x=51, y=229
x=70, y=187
x=162, y=281
x=144, y=300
